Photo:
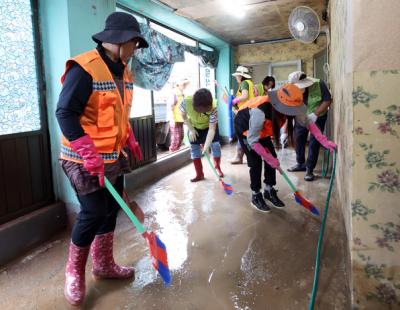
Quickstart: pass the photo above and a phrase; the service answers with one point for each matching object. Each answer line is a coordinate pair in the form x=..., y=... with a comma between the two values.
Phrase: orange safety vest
x=267, y=130
x=106, y=115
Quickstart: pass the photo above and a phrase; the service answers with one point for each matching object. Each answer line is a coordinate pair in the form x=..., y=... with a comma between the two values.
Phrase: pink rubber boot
x=217, y=165
x=74, y=289
x=104, y=265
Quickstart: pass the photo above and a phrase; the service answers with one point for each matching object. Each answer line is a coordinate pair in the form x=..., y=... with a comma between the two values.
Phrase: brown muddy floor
x=223, y=253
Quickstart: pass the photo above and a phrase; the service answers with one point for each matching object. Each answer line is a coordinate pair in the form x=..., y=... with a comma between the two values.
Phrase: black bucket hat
x=120, y=28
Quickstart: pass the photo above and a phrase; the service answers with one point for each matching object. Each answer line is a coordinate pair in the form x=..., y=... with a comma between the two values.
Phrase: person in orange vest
x=97, y=139
x=256, y=122
x=174, y=115
x=244, y=93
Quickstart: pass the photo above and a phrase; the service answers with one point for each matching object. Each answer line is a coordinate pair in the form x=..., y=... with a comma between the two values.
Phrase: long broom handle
x=294, y=189
x=124, y=206
x=287, y=180
x=212, y=167
x=230, y=119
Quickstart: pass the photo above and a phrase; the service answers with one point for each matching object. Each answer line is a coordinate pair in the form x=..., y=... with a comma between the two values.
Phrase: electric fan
x=304, y=24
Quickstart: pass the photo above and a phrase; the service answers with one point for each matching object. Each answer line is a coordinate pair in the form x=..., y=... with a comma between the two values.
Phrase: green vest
x=199, y=120
x=314, y=97
x=260, y=89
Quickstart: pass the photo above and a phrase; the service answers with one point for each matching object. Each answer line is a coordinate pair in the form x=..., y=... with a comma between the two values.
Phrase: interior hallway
x=223, y=254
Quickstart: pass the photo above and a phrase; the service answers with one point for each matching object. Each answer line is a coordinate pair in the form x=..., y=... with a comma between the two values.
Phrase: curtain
x=152, y=66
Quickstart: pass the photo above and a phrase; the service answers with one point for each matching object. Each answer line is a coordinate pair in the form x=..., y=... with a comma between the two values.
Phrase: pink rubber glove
x=134, y=145
x=235, y=101
x=316, y=132
x=92, y=161
x=267, y=156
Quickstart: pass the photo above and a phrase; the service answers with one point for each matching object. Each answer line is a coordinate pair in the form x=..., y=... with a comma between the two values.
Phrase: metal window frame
x=296, y=62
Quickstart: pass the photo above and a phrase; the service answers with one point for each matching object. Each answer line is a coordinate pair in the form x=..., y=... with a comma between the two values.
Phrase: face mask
x=128, y=61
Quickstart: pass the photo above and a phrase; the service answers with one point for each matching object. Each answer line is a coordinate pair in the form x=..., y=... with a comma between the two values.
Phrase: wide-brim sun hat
x=242, y=71
x=120, y=28
x=288, y=100
x=182, y=81
x=300, y=79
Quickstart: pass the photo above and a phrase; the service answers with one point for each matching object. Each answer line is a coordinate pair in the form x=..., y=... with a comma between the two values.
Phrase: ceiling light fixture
x=234, y=7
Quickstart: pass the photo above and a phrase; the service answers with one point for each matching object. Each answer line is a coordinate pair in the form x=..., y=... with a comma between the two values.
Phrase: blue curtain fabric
x=152, y=66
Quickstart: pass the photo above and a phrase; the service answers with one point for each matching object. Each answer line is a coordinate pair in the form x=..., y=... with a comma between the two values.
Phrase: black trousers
x=98, y=214
x=300, y=136
x=254, y=162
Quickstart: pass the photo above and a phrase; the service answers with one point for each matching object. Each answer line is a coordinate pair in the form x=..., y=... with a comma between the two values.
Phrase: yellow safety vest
x=251, y=93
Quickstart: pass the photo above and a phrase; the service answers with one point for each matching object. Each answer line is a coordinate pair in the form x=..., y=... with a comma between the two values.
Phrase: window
x=188, y=69
x=173, y=35
x=205, y=47
x=148, y=104
x=19, y=97
x=281, y=70
x=141, y=103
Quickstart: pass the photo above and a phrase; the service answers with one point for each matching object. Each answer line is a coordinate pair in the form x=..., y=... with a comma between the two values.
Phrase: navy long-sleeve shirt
x=77, y=88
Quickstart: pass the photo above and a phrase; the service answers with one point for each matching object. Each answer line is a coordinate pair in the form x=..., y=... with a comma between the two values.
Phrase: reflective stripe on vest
x=199, y=120
x=266, y=131
x=251, y=94
x=106, y=116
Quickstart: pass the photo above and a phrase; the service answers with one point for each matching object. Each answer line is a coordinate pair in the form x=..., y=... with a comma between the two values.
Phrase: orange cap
x=288, y=100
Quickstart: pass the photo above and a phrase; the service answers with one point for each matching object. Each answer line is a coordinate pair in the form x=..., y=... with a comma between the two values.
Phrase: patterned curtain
x=208, y=58
x=152, y=66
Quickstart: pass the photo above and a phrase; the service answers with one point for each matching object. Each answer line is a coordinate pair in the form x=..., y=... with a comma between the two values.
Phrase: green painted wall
x=86, y=18
x=67, y=27
x=56, y=49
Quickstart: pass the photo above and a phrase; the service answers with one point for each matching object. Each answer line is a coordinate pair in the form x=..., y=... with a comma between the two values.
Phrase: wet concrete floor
x=223, y=253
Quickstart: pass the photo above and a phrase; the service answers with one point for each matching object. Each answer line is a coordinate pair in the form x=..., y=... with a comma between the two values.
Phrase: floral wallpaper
x=366, y=110
x=376, y=190
x=276, y=52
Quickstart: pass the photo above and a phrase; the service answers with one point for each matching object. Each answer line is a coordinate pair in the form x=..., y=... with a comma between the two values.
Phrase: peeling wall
x=276, y=52
x=342, y=87
x=365, y=76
